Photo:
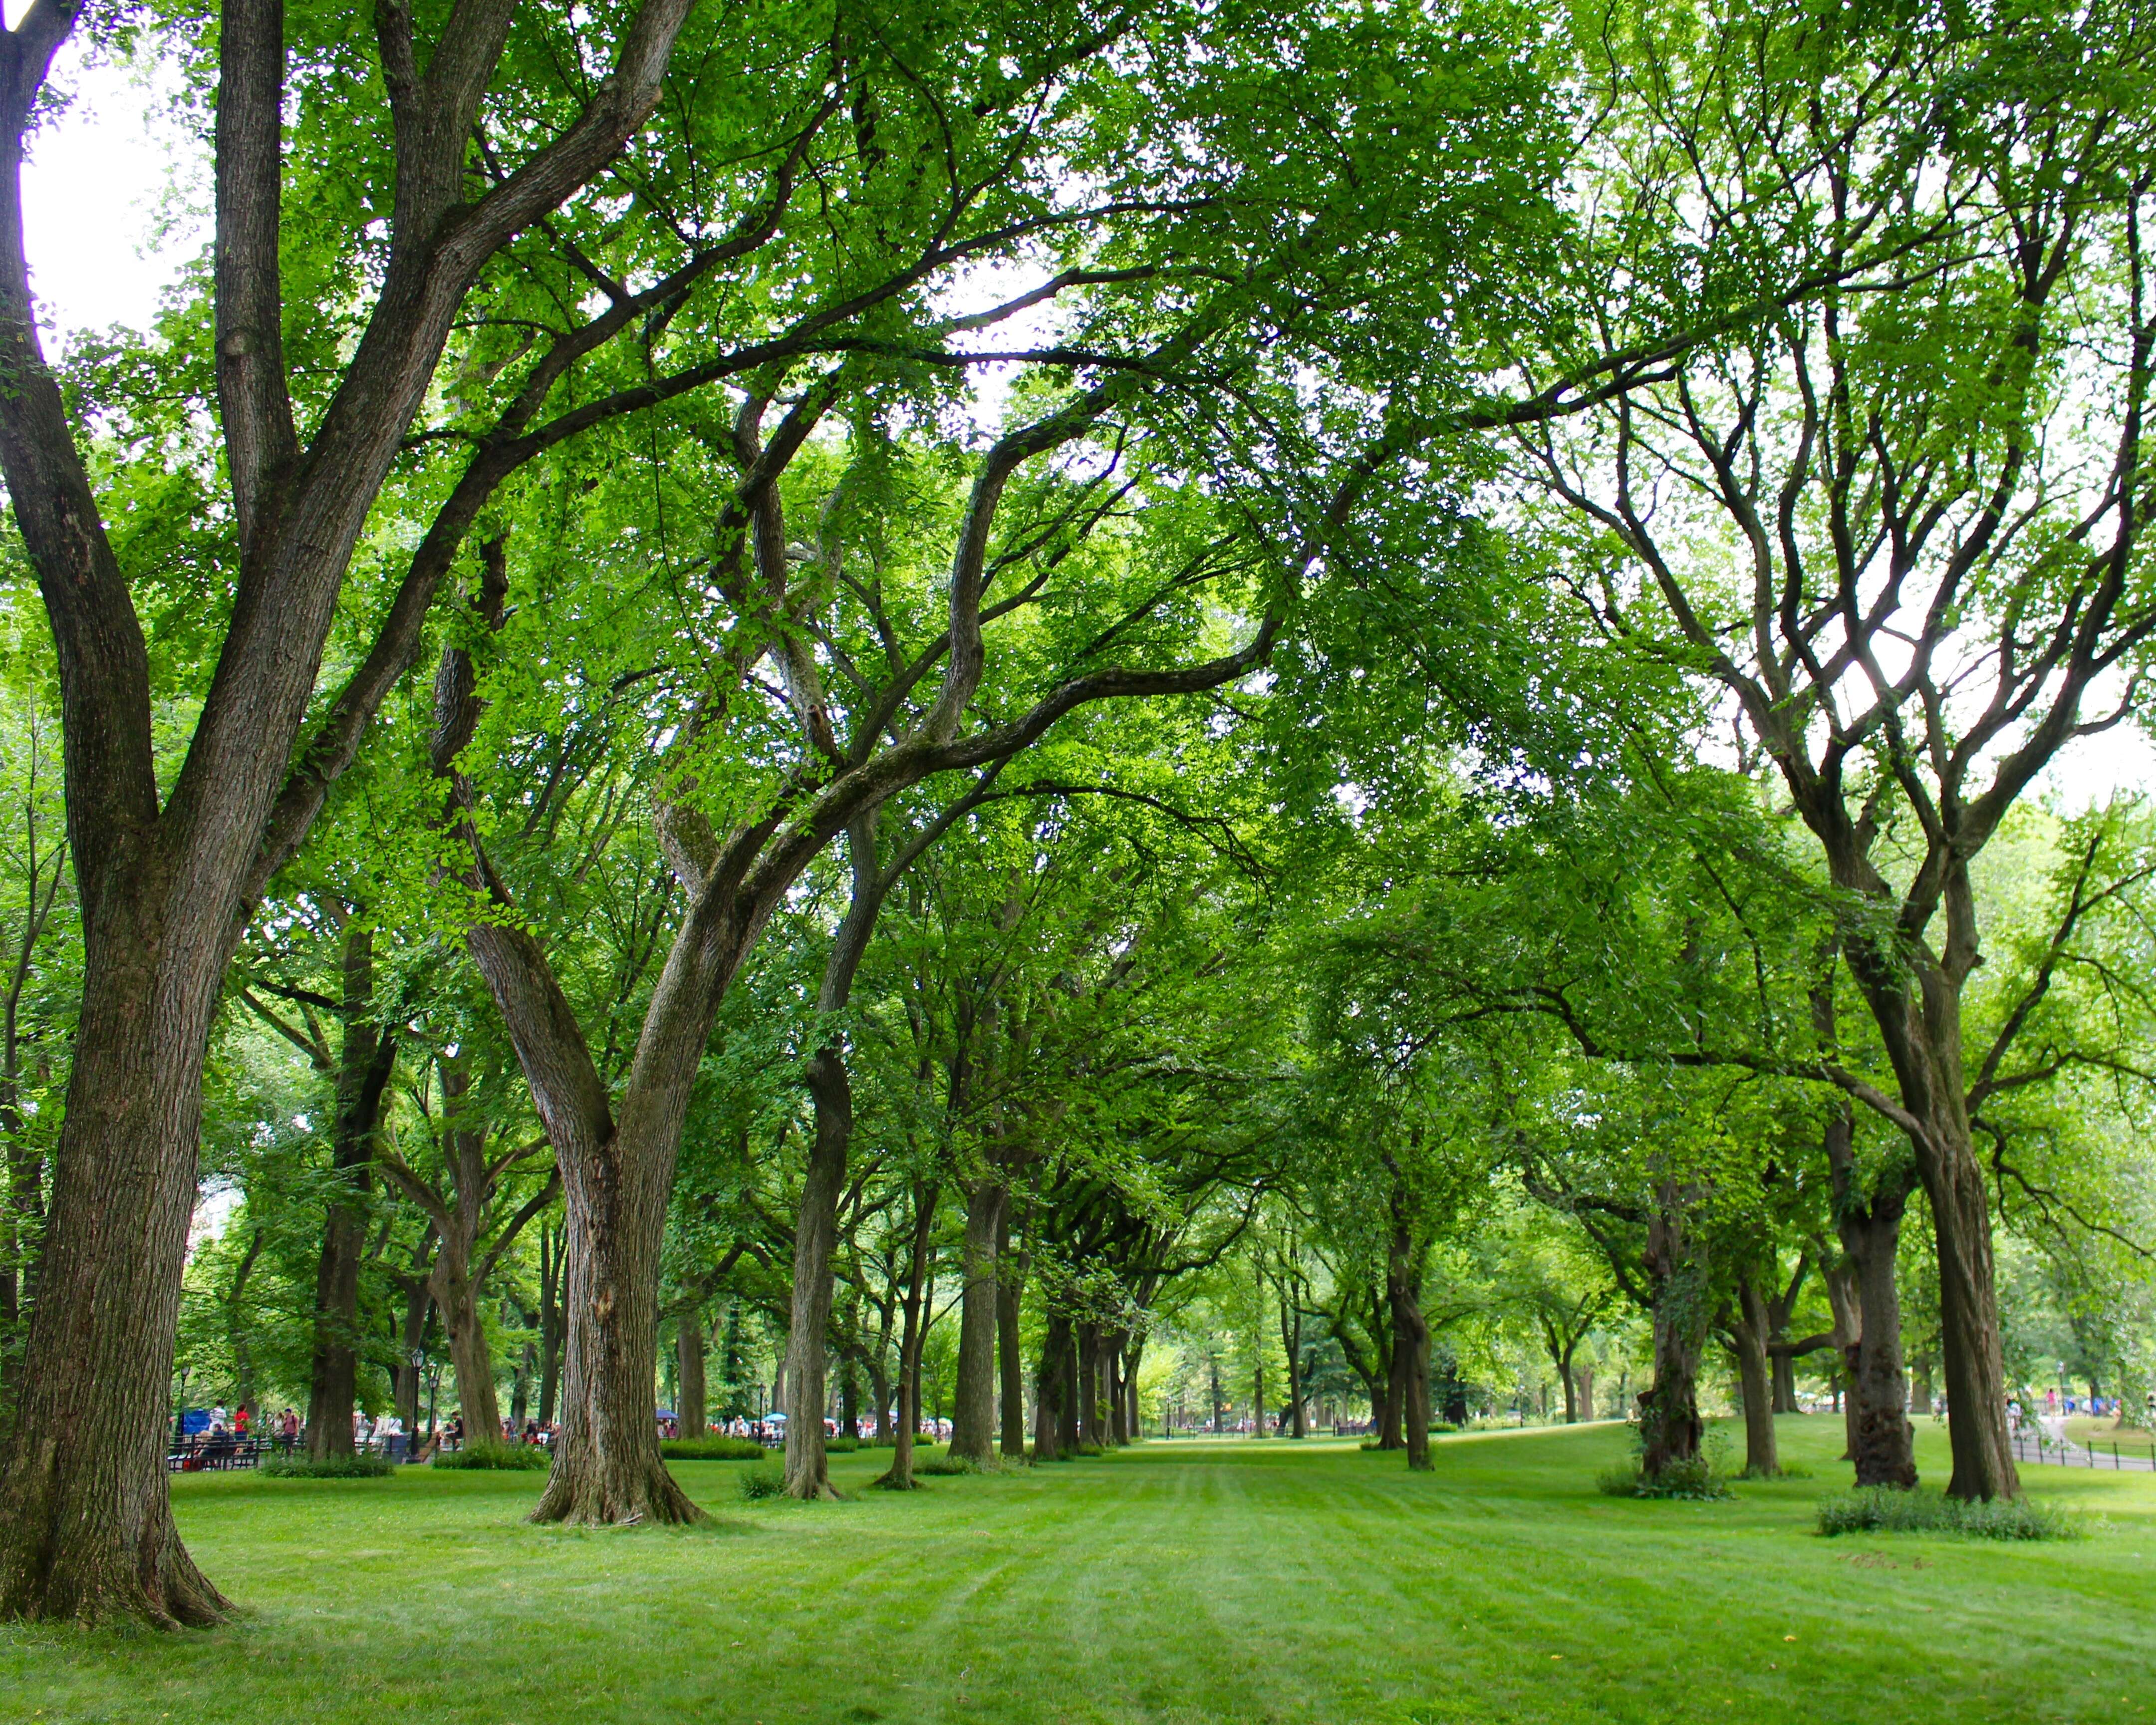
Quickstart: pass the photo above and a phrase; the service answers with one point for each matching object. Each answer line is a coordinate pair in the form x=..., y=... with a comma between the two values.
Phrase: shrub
x=841, y=1445
x=330, y=1467
x=714, y=1449
x=767, y=1481
x=1703, y=1479
x=508, y=1458
x=946, y=1464
x=1882, y=1509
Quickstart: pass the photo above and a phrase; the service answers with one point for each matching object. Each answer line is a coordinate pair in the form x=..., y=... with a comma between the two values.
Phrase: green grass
x=1180, y=1583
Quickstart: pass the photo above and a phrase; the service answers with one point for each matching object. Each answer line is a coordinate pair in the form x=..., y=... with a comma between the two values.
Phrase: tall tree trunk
x=900, y=1475
x=1411, y=1373
x=1069, y=1432
x=1840, y=1281
x=973, y=1410
x=1920, y=1028
x=410, y=1375
x=1867, y=1305
x=457, y=1298
x=1571, y=1388
x=689, y=1416
x=1291, y=1322
x=1049, y=1391
x=1781, y=1307
x=815, y=1239
x=85, y=1524
x=1749, y=1325
x=1881, y=1442
x=1405, y=1265
x=1675, y=1263
x=1133, y=1355
x=550, y=1322
x=1010, y=1284
x=366, y=1058
x=1089, y=1384
x=1784, y=1367
x=607, y=1466
x=816, y=1227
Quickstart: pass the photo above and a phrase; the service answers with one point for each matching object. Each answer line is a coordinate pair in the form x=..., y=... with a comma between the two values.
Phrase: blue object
x=195, y=1421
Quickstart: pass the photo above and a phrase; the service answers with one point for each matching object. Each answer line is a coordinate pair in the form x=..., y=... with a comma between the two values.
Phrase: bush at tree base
x=507, y=1458
x=333, y=1468
x=1885, y=1509
x=717, y=1449
x=1700, y=1478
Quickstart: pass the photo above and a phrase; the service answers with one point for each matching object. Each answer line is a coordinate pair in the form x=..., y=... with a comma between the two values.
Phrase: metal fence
x=2060, y=1452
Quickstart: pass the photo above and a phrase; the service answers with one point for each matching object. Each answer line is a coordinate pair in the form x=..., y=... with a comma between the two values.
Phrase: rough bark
x=1867, y=1306
x=1675, y=1264
x=973, y=1410
x=1881, y=1441
x=607, y=1465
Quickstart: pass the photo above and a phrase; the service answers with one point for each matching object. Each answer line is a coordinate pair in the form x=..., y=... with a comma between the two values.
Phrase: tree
x=1934, y=495
x=166, y=878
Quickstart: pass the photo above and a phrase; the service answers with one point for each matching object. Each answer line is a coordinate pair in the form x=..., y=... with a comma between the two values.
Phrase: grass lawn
x=1182, y=1582
x=2103, y=1431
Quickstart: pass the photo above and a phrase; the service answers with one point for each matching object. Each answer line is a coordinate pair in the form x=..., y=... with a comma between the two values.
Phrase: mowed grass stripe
x=1173, y=1582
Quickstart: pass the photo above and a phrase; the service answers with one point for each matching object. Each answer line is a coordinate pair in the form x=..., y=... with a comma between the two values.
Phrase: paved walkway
x=2052, y=1444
